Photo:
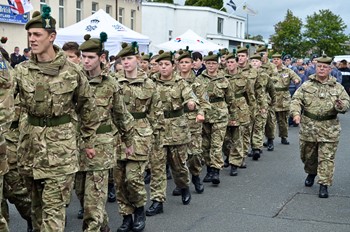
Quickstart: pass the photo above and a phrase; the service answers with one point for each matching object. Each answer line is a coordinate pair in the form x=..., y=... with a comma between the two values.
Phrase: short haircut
x=197, y=55
x=72, y=46
x=344, y=62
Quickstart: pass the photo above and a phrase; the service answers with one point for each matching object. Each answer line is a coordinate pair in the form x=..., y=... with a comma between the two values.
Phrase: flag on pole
x=249, y=10
x=20, y=6
x=232, y=5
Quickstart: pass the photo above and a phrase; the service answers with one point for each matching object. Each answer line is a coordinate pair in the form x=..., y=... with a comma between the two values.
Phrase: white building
x=162, y=22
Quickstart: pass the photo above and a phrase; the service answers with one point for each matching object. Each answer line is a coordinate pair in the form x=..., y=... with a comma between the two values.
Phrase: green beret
x=324, y=59
x=129, y=49
x=231, y=55
x=256, y=56
x=184, y=54
x=43, y=20
x=146, y=57
x=94, y=44
x=261, y=48
x=165, y=56
x=244, y=49
x=224, y=52
x=277, y=55
x=211, y=56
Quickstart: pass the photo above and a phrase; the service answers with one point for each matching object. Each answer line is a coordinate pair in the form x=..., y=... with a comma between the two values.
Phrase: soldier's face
x=212, y=66
x=231, y=64
x=154, y=66
x=277, y=61
x=72, y=57
x=165, y=68
x=323, y=70
x=185, y=65
x=144, y=65
x=40, y=40
x=255, y=63
x=242, y=59
x=129, y=63
x=91, y=61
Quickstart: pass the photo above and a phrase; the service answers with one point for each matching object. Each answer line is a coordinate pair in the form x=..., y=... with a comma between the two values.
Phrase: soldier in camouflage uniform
x=172, y=135
x=144, y=64
x=221, y=97
x=315, y=106
x=112, y=113
x=6, y=116
x=52, y=91
x=143, y=102
x=281, y=81
x=244, y=96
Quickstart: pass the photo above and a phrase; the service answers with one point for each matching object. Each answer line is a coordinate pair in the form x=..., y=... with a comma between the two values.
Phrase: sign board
x=7, y=16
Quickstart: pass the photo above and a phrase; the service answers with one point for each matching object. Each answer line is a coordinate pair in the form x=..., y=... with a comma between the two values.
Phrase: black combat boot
x=147, y=177
x=198, y=186
x=168, y=172
x=155, y=208
x=127, y=224
x=256, y=154
x=186, y=196
x=80, y=213
x=139, y=219
x=309, y=181
x=233, y=171
x=29, y=226
x=177, y=191
x=111, y=193
x=323, y=191
x=208, y=177
x=270, y=146
x=284, y=141
x=226, y=162
x=105, y=228
x=265, y=143
x=216, y=176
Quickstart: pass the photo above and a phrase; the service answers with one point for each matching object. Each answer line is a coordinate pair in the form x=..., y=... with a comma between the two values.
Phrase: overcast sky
x=270, y=12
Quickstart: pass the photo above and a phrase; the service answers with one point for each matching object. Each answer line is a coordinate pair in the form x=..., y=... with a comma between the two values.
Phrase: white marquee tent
x=192, y=40
x=99, y=22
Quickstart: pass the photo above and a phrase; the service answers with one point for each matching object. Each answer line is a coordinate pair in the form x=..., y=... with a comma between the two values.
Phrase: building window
x=79, y=6
x=108, y=9
x=42, y=3
x=133, y=19
x=241, y=30
x=61, y=14
x=237, y=32
x=170, y=35
x=94, y=7
x=220, y=25
x=121, y=15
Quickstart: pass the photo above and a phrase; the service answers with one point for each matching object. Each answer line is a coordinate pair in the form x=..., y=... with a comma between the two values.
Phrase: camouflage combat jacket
x=52, y=94
x=270, y=69
x=281, y=81
x=244, y=97
x=142, y=101
x=112, y=114
x=315, y=102
x=268, y=90
x=221, y=97
x=173, y=124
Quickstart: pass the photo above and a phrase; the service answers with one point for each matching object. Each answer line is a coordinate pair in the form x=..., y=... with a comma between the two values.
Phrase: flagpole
x=247, y=26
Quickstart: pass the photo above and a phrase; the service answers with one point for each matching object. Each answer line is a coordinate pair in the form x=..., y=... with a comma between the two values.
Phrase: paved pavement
x=267, y=196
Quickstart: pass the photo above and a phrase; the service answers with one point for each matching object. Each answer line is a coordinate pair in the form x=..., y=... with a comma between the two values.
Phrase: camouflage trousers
x=49, y=199
x=177, y=160
x=16, y=193
x=282, y=122
x=213, y=140
x=270, y=126
x=79, y=187
x=130, y=185
x=233, y=145
x=3, y=222
x=318, y=158
x=95, y=198
x=194, y=151
x=258, y=130
x=246, y=137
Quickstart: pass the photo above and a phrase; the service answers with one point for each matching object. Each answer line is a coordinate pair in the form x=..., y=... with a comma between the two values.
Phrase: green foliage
x=256, y=37
x=288, y=35
x=164, y=1
x=325, y=32
x=216, y=4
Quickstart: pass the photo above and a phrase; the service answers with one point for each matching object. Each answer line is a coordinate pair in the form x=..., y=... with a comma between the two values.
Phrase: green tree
x=216, y=4
x=288, y=35
x=256, y=37
x=325, y=32
x=164, y=1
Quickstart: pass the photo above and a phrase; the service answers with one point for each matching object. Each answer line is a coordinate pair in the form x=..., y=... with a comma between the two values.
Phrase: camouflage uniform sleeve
x=251, y=96
x=188, y=94
x=297, y=102
x=155, y=110
x=200, y=91
x=293, y=76
x=122, y=117
x=344, y=97
x=231, y=101
x=86, y=109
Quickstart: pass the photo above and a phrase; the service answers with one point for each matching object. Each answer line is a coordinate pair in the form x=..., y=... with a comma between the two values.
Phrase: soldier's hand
x=296, y=82
x=129, y=151
x=90, y=153
x=191, y=105
x=200, y=118
x=339, y=104
x=232, y=123
x=296, y=119
x=262, y=111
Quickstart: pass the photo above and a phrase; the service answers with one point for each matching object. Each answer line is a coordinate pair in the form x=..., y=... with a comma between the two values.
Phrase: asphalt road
x=267, y=196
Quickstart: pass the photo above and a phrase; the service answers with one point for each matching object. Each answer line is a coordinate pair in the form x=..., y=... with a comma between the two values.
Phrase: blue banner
x=7, y=16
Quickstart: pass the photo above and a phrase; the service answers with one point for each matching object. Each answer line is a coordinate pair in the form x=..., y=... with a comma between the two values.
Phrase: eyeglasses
x=325, y=66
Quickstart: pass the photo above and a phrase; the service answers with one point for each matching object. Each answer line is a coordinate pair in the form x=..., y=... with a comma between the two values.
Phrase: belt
x=319, y=117
x=173, y=113
x=14, y=125
x=138, y=115
x=102, y=129
x=282, y=89
x=216, y=99
x=49, y=122
x=239, y=95
x=187, y=110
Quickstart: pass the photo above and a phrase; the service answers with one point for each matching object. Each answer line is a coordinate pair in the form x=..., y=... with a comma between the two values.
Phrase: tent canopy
x=192, y=40
x=99, y=22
